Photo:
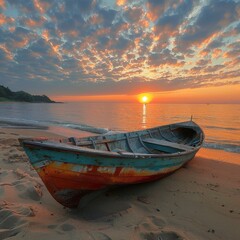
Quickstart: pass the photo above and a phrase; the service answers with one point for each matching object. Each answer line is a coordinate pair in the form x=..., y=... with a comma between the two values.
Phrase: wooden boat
x=71, y=168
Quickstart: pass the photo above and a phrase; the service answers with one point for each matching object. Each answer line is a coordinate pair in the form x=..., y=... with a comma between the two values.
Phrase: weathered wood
x=167, y=144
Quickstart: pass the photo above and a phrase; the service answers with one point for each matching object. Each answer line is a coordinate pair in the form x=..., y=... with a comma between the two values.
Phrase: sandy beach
x=199, y=201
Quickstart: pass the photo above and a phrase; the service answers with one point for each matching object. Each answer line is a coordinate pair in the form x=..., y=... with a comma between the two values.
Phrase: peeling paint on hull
x=68, y=191
x=69, y=182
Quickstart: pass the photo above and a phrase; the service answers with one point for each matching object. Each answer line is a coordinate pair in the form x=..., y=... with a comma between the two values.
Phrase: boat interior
x=167, y=139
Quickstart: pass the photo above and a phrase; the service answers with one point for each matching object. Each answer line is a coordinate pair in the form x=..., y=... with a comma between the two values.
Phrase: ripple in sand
x=30, y=191
x=152, y=223
x=12, y=220
x=3, y=173
x=105, y=211
x=15, y=157
x=67, y=227
x=9, y=141
x=164, y=235
x=93, y=236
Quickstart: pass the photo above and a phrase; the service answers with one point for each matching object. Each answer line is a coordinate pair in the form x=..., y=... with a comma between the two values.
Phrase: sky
x=177, y=50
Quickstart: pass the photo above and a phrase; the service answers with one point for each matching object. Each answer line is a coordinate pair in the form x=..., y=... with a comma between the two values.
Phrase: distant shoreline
x=13, y=101
x=6, y=95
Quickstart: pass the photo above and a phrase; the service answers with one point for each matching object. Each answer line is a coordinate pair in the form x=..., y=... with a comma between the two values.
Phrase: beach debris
x=172, y=213
x=211, y=230
x=143, y=199
x=164, y=235
x=212, y=186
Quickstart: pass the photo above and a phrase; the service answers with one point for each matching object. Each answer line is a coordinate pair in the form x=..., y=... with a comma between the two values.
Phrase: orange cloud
x=234, y=64
x=216, y=53
x=45, y=34
x=96, y=19
x=231, y=54
x=5, y=20
x=41, y=6
x=121, y=2
x=155, y=11
x=204, y=53
x=2, y=19
x=144, y=23
x=21, y=43
x=2, y=4
x=73, y=33
x=9, y=55
x=12, y=29
x=206, y=41
x=32, y=23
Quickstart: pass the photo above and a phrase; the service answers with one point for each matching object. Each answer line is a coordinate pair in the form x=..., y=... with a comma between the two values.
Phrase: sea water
x=220, y=122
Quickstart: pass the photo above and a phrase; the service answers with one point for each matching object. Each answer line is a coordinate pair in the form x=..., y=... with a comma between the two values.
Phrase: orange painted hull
x=69, y=187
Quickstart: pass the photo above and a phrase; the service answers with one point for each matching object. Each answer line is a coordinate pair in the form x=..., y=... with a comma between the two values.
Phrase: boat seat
x=166, y=146
x=121, y=151
x=72, y=140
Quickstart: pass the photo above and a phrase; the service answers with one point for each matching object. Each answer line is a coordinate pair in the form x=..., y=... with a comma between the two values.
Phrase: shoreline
x=68, y=129
x=199, y=201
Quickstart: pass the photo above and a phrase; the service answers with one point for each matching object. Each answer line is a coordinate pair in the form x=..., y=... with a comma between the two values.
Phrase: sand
x=199, y=201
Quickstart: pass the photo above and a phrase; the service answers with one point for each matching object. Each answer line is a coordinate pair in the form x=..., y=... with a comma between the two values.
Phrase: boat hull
x=69, y=176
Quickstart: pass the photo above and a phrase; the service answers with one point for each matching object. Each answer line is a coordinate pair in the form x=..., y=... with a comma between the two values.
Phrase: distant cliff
x=7, y=95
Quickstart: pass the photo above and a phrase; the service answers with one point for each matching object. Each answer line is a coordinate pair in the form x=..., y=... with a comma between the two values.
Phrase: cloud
x=105, y=47
x=5, y=20
x=212, y=19
x=164, y=58
x=133, y=14
x=157, y=8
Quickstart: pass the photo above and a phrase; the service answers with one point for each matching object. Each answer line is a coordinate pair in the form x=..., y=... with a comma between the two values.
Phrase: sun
x=145, y=98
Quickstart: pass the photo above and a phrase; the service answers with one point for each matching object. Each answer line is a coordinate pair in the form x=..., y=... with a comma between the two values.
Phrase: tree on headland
x=7, y=95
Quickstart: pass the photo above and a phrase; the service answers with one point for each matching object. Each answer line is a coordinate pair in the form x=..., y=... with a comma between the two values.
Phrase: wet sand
x=199, y=201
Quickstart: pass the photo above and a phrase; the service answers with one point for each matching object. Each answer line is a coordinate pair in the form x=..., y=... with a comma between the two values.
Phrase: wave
x=80, y=126
x=25, y=123
x=235, y=148
x=21, y=123
x=222, y=128
x=86, y=128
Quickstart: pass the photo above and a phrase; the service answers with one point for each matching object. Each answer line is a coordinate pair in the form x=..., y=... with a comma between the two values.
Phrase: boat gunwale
x=64, y=147
x=95, y=152
x=88, y=140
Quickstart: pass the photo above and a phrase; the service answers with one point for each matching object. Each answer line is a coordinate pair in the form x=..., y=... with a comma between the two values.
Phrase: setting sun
x=145, y=98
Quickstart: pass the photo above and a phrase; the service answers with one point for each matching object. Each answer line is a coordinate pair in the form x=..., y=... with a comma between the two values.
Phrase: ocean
x=220, y=122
